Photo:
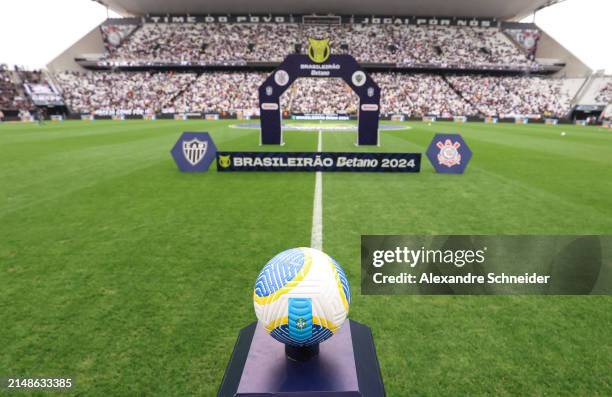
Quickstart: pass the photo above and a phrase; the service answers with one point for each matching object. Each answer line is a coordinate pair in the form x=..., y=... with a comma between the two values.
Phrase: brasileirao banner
x=318, y=161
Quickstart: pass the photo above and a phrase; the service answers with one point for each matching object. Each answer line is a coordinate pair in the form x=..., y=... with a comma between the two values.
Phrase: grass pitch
x=134, y=279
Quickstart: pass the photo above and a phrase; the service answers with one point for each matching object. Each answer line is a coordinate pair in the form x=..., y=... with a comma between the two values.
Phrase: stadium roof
x=500, y=9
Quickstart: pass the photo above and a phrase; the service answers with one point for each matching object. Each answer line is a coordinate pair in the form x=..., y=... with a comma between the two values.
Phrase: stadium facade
x=468, y=58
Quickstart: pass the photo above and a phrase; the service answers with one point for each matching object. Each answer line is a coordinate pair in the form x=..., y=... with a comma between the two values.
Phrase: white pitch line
x=316, y=237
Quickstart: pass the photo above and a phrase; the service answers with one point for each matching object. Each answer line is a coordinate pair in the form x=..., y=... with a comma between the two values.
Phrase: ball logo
x=370, y=92
x=194, y=150
x=269, y=90
x=358, y=78
x=318, y=50
x=225, y=161
x=281, y=78
x=449, y=155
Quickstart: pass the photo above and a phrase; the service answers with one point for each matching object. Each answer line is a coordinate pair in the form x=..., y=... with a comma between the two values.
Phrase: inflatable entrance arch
x=297, y=65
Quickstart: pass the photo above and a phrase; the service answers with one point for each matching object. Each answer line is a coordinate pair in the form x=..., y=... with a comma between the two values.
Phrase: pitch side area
x=113, y=264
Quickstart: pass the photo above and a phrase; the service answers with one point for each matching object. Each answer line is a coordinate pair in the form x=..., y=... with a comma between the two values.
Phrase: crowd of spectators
x=320, y=96
x=109, y=93
x=7, y=89
x=32, y=76
x=238, y=93
x=41, y=91
x=10, y=97
x=420, y=95
x=220, y=92
x=605, y=94
x=235, y=43
x=512, y=96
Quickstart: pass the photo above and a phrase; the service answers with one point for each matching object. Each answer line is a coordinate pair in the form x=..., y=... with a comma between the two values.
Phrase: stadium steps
x=574, y=86
x=126, y=38
x=15, y=78
x=19, y=85
x=460, y=95
x=591, y=88
x=52, y=82
x=588, y=82
x=182, y=91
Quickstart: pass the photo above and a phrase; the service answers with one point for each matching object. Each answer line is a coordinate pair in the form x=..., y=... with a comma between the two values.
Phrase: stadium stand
x=605, y=94
x=148, y=65
x=41, y=91
x=235, y=43
x=513, y=96
x=420, y=95
x=309, y=95
x=220, y=92
x=109, y=93
x=10, y=97
x=597, y=90
x=6, y=89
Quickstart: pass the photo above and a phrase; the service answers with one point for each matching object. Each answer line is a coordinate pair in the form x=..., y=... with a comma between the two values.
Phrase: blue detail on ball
x=278, y=271
x=343, y=280
x=319, y=334
x=300, y=319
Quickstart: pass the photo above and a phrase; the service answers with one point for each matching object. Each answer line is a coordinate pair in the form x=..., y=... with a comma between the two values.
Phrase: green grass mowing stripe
x=61, y=166
x=562, y=174
x=551, y=176
x=576, y=148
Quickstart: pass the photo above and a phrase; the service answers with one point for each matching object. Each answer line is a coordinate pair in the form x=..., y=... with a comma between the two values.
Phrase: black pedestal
x=301, y=353
x=346, y=365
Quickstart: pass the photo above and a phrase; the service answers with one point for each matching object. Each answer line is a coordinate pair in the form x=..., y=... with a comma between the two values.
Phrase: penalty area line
x=316, y=236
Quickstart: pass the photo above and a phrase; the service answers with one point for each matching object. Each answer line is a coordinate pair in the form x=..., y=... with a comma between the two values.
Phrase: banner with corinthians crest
x=449, y=154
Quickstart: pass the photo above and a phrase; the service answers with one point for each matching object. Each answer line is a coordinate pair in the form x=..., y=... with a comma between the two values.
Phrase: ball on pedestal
x=301, y=297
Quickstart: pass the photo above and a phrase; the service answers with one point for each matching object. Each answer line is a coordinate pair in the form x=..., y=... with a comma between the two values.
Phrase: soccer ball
x=301, y=297
x=563, y=133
